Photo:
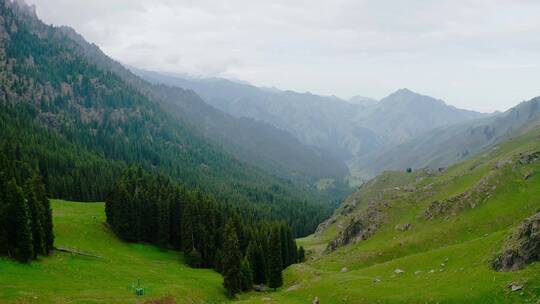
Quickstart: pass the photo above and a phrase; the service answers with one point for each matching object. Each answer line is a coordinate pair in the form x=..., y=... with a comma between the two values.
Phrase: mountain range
x=354, y=131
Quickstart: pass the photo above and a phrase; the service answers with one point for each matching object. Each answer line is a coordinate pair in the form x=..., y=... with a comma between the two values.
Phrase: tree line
x=246, y=250
x=26, y=227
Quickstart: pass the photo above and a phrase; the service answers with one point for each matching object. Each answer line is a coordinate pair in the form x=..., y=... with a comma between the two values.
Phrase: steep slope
x=255, y=142
x=444, y=146
x=351, y=131
x=427, y=237
x=310, y=118
x=48, y=87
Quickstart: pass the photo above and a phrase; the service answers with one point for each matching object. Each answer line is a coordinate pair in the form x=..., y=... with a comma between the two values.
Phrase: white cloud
x=479, y=54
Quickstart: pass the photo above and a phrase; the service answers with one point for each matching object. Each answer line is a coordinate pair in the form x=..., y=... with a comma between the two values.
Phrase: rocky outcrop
x=361, y=227
x=522, y=248
x=483, y=189
x=529, y=158
x=467, y=200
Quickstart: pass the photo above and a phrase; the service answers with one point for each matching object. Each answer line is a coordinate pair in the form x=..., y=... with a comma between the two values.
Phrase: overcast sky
x=475, y=54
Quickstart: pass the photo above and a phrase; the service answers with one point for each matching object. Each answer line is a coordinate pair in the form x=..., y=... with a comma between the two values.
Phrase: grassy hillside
x=71, y=278
x=458, y=221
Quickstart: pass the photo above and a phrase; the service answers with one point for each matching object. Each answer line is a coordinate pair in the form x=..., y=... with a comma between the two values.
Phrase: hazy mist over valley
x=254, y=152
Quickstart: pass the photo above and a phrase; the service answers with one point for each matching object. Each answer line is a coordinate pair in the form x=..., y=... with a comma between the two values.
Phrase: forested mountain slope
x=254, y=142
x=81, y=124
x=432, y=237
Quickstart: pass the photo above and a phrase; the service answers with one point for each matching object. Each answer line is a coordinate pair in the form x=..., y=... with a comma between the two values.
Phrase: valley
x=444, y=258
x=120, y=184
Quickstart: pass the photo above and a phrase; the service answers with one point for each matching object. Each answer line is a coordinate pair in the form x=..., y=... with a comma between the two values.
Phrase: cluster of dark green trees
x=247, y=250
x=26, y=228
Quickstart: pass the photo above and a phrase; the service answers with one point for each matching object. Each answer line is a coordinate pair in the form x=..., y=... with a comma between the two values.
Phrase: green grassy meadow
x=70, y=278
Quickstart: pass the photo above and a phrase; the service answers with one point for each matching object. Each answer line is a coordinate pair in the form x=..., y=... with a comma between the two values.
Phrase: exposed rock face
x=360, y=228
x=467, y=200
x=529, y=158
x=522, y=248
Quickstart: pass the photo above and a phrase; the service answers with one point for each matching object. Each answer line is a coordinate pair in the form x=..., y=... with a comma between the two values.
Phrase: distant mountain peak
x=406, y=96
x=407, y=92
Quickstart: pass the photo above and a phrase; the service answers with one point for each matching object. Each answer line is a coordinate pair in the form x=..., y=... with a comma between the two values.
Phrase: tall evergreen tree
x=284, y=246
x=293, y=251
x=36, y=217
x=20, y=236
x=275, y=266
x=247, y=275
x=47, y=221
x=258, y=262
x=232, y=257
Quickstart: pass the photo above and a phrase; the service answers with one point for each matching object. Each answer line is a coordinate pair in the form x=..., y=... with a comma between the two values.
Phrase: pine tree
x=284, y=246
x=232, y=272
x=218, y=261
x=20, y=236
x=293, y=251
x=194, y=258
x=4, y=206
x=258, y=263
x=252, y=255
x=187, y=233
x=247, y=275
x=163, y=224
x=36, y=217
x=275, y=266
x=46, y=221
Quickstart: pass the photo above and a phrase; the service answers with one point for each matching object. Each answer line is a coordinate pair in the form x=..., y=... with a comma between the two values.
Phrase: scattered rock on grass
x=403, y=227
x=515, y=286
x=398, y=271
x=344, y=269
